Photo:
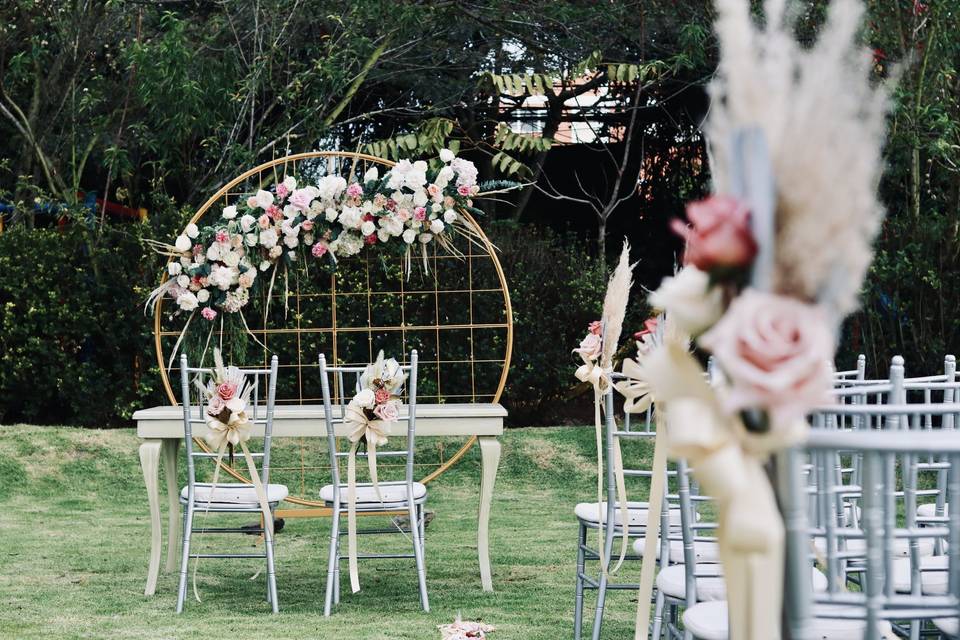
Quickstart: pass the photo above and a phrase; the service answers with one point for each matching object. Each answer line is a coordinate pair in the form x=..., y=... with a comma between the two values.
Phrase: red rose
x=719, y=234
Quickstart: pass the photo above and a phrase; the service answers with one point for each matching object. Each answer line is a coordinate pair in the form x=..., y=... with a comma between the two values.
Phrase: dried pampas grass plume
x=615, y=305
x=824, y=123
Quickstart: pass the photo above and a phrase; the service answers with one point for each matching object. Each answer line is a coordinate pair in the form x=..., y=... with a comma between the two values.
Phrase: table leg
x=150, y=463
x=170, y=447
x=490, y=457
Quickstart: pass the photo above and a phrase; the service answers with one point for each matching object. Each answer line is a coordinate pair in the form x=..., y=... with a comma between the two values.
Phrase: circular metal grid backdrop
x=456, y=313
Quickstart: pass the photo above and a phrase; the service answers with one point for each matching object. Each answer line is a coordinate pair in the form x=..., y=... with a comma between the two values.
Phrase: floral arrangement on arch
x=216, y=268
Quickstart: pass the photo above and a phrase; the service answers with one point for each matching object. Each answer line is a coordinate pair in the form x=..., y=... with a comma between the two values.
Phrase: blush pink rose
x=307, y=225
x=354, y=190
x=590, y=347
x=264, y=221
x=318, y=250
x=381, y=396
x=208, y=313
x=216, y=405
x=282, y=191
x=403, y=215
x=719, y=234
x=776, y=352
x=301, y=199
x=252, y=202
x=434, y=192
x=226, y=390
x=463, y=190
x=387, y=412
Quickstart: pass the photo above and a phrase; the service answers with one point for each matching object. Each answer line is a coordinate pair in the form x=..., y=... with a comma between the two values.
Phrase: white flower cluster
x=218, y=265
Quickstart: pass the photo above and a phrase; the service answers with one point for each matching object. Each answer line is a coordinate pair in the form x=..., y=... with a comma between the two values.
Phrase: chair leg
x=578, y=598
x=602, y=589
x=657, y=617
x=336, y=571
x=185, y=556
x=418, y=555
x=332, y=561
x=271, y=568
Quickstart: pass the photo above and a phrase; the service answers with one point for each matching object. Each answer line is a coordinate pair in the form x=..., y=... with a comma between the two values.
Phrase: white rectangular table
x=161, y=429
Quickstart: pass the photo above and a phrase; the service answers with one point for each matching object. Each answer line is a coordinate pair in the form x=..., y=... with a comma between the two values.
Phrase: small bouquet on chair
x=227, y=393
x=368, y=417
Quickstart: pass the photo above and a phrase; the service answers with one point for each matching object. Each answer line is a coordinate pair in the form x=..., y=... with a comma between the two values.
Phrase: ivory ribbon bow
x=236, y=431
x=729, y=464
x=374, y=432
x=599, y=378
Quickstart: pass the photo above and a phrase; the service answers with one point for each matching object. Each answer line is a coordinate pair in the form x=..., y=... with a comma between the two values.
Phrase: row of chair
x=869, y=514
x=200, y=498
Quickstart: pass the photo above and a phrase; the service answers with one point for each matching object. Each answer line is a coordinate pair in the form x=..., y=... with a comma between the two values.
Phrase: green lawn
x=75, y=531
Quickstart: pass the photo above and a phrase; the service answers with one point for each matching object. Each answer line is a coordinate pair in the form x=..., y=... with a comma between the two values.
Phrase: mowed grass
x=75, y=541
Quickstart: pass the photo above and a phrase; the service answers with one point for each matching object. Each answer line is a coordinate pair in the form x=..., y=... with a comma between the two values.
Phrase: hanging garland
x=218, y=268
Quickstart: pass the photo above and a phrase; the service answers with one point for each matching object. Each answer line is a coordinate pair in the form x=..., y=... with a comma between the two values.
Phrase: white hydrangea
x=412, y=175
x=466, y=172
x=347, y=244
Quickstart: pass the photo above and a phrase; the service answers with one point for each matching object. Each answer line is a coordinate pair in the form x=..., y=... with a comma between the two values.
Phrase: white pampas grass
x=615, y=305
x=823, y=121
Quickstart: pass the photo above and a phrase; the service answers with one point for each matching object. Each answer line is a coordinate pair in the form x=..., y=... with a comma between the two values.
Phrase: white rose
x=231, y=259
x=449, y=216
x=251, y=239
x=420, y=198
x=275, y=252
x=247, y=222
x=446, y=155
x=382, y=235
x=192, y=230
x=409, y=236
x=368, y=227
x=367, y=206
x=365, y=399
x=290, y=183
x=263, y=199
x=264, y=265
x=292, y=255
x=391, y=225
x=268, y=238
x=182, y=243
x=203, y=295
x=445, y=175
x=291, y=241
x=689, y=299
x=183, y=281
x=174, y=268
x=229, y=213
x=213, y=252
x=185, y=261
x=424, y=238
x=436, y=207
x=371, y=174
x=436, y=226
x=187, y=301
x=331, y=214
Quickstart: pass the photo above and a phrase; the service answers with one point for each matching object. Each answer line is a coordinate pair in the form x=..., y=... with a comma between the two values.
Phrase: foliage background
x=155, y=105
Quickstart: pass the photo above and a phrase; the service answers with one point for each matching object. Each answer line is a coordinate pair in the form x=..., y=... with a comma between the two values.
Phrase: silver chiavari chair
x=400, y=495
x=228, y=497
x=588, y=515
x=872, y=606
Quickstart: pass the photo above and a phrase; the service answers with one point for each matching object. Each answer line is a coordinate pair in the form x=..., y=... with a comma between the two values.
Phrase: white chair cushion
x=234, y=493
x=672, y=581
x=391, y=492
x=708, y=621
x=930, y=509
x=637, y=512
x=948, y=626
x=704, y=550
x=932, y=582
x=901, y=546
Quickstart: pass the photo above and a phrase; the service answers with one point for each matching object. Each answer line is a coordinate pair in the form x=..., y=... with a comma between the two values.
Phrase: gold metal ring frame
x=457, y=313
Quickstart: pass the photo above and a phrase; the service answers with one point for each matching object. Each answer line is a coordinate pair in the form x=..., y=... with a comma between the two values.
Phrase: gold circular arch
x=480, y=257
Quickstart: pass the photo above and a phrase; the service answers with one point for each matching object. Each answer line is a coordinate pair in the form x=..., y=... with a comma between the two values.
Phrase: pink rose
x=381, y=396
x=319, y=249
x=420, y=214
x=300, y=199
x=387, y=412
x=595, y=327
x=354, y=190
x=719, y=235
x=307, y=225
x=433, y=191
x=274, y=212
x=208, y=313
x=215, y=406
x=264, y=221
x=222, y=236
x=776, y=352
x=590, y=347
x=226, y=390
x=282, y=191
x=448, y=202
x=463, y=190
